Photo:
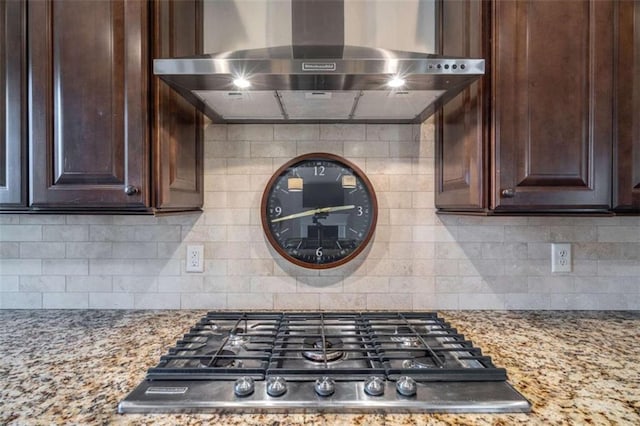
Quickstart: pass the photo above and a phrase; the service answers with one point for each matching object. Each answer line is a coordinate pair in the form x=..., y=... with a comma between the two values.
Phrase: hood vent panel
x=318, y=78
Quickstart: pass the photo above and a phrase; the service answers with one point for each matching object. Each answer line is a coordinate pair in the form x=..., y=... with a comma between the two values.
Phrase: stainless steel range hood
x=317, y=78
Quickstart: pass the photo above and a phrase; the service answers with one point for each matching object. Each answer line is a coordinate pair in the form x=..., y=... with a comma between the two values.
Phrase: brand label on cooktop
x=166, y=390
x=318, y=66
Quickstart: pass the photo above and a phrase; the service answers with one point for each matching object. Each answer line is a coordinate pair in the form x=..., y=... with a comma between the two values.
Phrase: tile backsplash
x=418, y=260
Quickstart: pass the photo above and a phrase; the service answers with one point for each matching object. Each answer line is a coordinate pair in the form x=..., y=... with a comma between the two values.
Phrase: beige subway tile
x=343, y=301
x=82, y=250
x=273, y=149
x=251, y=267
x=21, y=300
x=389, y=132
x=42, y=219
x=227, y=284
x=156, y=301
x=42, y=283
x=340, y=132
x=203, y=301
x=249, y=166
x=213, y=132
x=400, y=302
x=21, y=233
x=65, y=300
x=114, y=301
x=204, y=234
x=89, y=284
x=250, y=132
x=20, y=267
x=65, y=266
x=250, y=301
x=276, y=284
x=326, y=284
x=411, y=285
x=527, y=301
x=181, y=284
x=9, y=250
x=287, y=301
x=9, y=283
x=42, y=250
x=369, y=149
x=330, y=147
x=366, y=284
x=228, y=216
x=134, y=284
x=296, y=132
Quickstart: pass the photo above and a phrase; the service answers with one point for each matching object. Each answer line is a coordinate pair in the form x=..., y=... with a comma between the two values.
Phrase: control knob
x=276, y=386
x=374, y=386
x=325, y=386
x=406, y=386
x=243, y=386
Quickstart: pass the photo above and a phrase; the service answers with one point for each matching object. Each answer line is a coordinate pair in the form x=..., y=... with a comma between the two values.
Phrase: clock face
x=319, y=211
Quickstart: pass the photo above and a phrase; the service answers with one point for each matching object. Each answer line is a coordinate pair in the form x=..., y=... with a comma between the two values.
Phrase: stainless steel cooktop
x=321, y=361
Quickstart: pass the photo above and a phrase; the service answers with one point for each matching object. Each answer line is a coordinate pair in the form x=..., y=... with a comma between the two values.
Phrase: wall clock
x=319, y=211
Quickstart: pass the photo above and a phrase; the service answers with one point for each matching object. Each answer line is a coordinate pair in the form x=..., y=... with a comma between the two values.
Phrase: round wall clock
x=319, y=211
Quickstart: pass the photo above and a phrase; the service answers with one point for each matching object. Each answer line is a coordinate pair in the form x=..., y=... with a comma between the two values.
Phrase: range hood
x=317, y=78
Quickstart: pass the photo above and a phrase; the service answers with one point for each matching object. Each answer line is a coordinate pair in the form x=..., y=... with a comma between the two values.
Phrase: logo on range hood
x=318, y=66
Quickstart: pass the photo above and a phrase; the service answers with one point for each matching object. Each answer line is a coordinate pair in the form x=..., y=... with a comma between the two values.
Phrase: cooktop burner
x=331, y=361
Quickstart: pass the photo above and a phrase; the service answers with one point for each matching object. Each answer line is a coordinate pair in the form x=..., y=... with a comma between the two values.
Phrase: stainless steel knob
x=406, y=386
x=276, y=386
x=325, y=386
x=508, y=193
x=374, y=386
x=243, y=386
x=130, y=190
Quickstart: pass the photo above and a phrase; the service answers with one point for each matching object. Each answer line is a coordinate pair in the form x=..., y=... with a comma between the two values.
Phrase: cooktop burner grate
x=346, y=346
x=346, y=362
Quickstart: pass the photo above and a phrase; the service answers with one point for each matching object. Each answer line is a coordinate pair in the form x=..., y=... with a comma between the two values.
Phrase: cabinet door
x=552, y=110
x=461, y=136
x=12, y=110
x=88, y=99
x=626, y=195
x=177, y=125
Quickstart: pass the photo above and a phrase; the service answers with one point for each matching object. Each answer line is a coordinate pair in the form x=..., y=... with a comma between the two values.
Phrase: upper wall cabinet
x=177, y=125
x=13, y=188
x=626, y=195
x=552, y=98
x=101, y=134
x=560, y=105
x=88, y=136
x=461, y=154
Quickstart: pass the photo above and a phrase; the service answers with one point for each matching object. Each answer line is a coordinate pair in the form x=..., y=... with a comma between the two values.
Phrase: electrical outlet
x=195, y=258
x=561, y=257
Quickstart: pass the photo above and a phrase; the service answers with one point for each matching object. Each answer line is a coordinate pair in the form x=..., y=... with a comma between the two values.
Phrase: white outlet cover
x=195, y=258
x=561, y=257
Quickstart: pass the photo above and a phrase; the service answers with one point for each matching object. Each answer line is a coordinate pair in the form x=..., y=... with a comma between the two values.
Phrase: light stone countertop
x=73, y=367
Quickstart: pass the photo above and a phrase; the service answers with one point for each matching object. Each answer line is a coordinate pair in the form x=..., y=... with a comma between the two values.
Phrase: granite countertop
x=75, y=366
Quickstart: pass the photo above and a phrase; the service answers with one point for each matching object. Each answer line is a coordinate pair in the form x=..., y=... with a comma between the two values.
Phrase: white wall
x=418, y=260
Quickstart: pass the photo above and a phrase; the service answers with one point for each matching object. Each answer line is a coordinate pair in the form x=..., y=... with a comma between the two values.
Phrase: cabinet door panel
x=627, y=148
x=460, y=134
x=178, y=132
x=553, y=79
x=12, y=109
x=88, y=134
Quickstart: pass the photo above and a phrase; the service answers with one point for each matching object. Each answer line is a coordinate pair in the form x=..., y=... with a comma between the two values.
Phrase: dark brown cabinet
x=626, y=196
x=13, y=137
x=177, y=125
x=88, y=113
x=552, y=104
x=552, y=109
x=461, y=131
x=102, y=134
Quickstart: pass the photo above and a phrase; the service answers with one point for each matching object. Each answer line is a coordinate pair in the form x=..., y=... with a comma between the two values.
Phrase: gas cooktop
x=324, y=361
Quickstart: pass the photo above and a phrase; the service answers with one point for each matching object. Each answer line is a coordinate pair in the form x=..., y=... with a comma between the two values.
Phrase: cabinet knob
x=130, y=190
x=508, y=193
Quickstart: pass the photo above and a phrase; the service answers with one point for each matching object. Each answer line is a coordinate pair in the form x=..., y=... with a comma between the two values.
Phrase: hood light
x=396, y=82
x=241, y=83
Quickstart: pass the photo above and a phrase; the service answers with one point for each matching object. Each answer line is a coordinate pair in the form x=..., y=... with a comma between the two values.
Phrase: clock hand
x=312, y=212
